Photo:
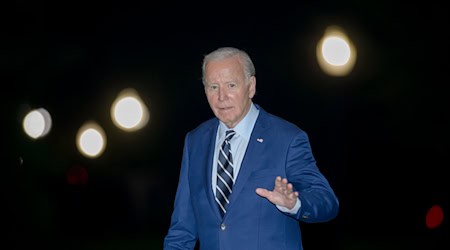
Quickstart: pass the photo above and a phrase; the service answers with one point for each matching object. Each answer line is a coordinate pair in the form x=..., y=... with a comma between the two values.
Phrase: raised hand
x=283, y=193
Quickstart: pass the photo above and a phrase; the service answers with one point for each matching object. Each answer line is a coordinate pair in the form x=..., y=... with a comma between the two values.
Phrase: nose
x=222, y=94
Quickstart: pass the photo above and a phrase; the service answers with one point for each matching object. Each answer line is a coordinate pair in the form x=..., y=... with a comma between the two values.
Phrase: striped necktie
x=225, y=173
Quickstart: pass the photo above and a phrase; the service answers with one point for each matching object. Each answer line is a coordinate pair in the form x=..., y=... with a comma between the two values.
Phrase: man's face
x=228, y=91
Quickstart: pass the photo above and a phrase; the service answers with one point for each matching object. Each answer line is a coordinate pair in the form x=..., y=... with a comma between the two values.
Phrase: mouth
x=225, y=108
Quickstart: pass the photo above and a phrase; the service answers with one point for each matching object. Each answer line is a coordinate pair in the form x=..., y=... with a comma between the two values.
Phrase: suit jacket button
x=223, y=227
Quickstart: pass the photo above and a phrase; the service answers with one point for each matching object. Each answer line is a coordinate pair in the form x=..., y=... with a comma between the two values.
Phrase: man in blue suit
x=255, y=197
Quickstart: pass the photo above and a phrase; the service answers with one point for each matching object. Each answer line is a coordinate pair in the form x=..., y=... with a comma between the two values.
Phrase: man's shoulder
x=205, y=126
x=279, y=121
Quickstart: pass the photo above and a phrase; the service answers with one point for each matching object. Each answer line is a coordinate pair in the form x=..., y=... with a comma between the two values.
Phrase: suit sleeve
x=318, y=200
x=182, y=233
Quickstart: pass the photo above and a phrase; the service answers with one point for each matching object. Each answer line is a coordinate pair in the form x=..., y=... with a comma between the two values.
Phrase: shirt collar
x=243, y=128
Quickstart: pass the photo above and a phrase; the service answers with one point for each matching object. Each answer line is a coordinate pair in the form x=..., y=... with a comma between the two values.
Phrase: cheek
x=212, y=101
x=209, y=98
x=240, y=99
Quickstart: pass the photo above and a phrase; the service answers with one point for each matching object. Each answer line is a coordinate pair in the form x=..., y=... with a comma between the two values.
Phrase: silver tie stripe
x=225, y=179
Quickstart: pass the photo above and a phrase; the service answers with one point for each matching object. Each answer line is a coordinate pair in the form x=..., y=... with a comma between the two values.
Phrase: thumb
x=263, y=192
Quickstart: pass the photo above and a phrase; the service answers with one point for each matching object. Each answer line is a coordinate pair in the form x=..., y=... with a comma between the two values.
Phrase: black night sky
x=380, y=135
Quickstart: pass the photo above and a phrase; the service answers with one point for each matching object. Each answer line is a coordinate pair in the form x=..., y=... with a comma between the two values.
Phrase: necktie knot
x=229, y=134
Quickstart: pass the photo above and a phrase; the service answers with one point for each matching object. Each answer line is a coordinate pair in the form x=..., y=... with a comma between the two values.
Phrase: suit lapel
x=210, y=147
x=254, y=150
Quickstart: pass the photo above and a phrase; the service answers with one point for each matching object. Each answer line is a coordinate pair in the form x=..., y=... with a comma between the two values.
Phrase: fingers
x=283, y=186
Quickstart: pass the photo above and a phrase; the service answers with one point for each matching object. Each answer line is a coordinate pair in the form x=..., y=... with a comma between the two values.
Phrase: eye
x=212, y=87
x=232, y=85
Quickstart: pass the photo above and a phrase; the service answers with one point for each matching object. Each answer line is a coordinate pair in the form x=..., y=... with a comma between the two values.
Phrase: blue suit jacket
x=251, y=222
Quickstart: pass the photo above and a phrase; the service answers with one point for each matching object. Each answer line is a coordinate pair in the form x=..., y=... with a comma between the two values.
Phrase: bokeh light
x=37, y=123
x=128, y=111
x=336, y=54
x=91, y=140
x=335, y=51
x=77, y=175
x=434, y=217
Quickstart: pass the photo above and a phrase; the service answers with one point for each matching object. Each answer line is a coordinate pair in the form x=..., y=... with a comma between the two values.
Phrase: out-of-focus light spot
x=434, y=217
x=37, y=123
x=128, y=111
x=336, y=54
x=91, y=140
x=77, y=175
x=335, y=51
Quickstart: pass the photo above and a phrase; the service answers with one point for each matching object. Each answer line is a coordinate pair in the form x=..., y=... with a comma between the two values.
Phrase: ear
x=252, y=87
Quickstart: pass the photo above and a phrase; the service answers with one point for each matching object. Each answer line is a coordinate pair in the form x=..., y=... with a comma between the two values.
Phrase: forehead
x=228, y=67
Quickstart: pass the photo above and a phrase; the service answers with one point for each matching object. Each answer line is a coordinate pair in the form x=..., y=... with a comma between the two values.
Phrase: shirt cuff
x=294, y=210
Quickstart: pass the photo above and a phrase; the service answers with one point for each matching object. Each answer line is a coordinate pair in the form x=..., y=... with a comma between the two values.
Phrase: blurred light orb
x=37, y=123
x=77, y=175
x=91, y=140
x=434, y=217
x=128, y=111
x=335, y=52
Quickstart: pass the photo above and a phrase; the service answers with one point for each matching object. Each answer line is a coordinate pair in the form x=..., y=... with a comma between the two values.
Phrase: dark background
x=380, y=135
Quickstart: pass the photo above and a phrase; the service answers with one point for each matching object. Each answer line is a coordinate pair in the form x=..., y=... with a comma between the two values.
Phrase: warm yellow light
x=128, y=111
x=91, y=140
x=336, y=54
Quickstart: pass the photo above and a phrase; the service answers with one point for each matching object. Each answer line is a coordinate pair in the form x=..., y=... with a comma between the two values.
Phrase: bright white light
x=128, y=112
x=91, y=140
x=336, y=51
x=37, y=123
x=336, y=54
